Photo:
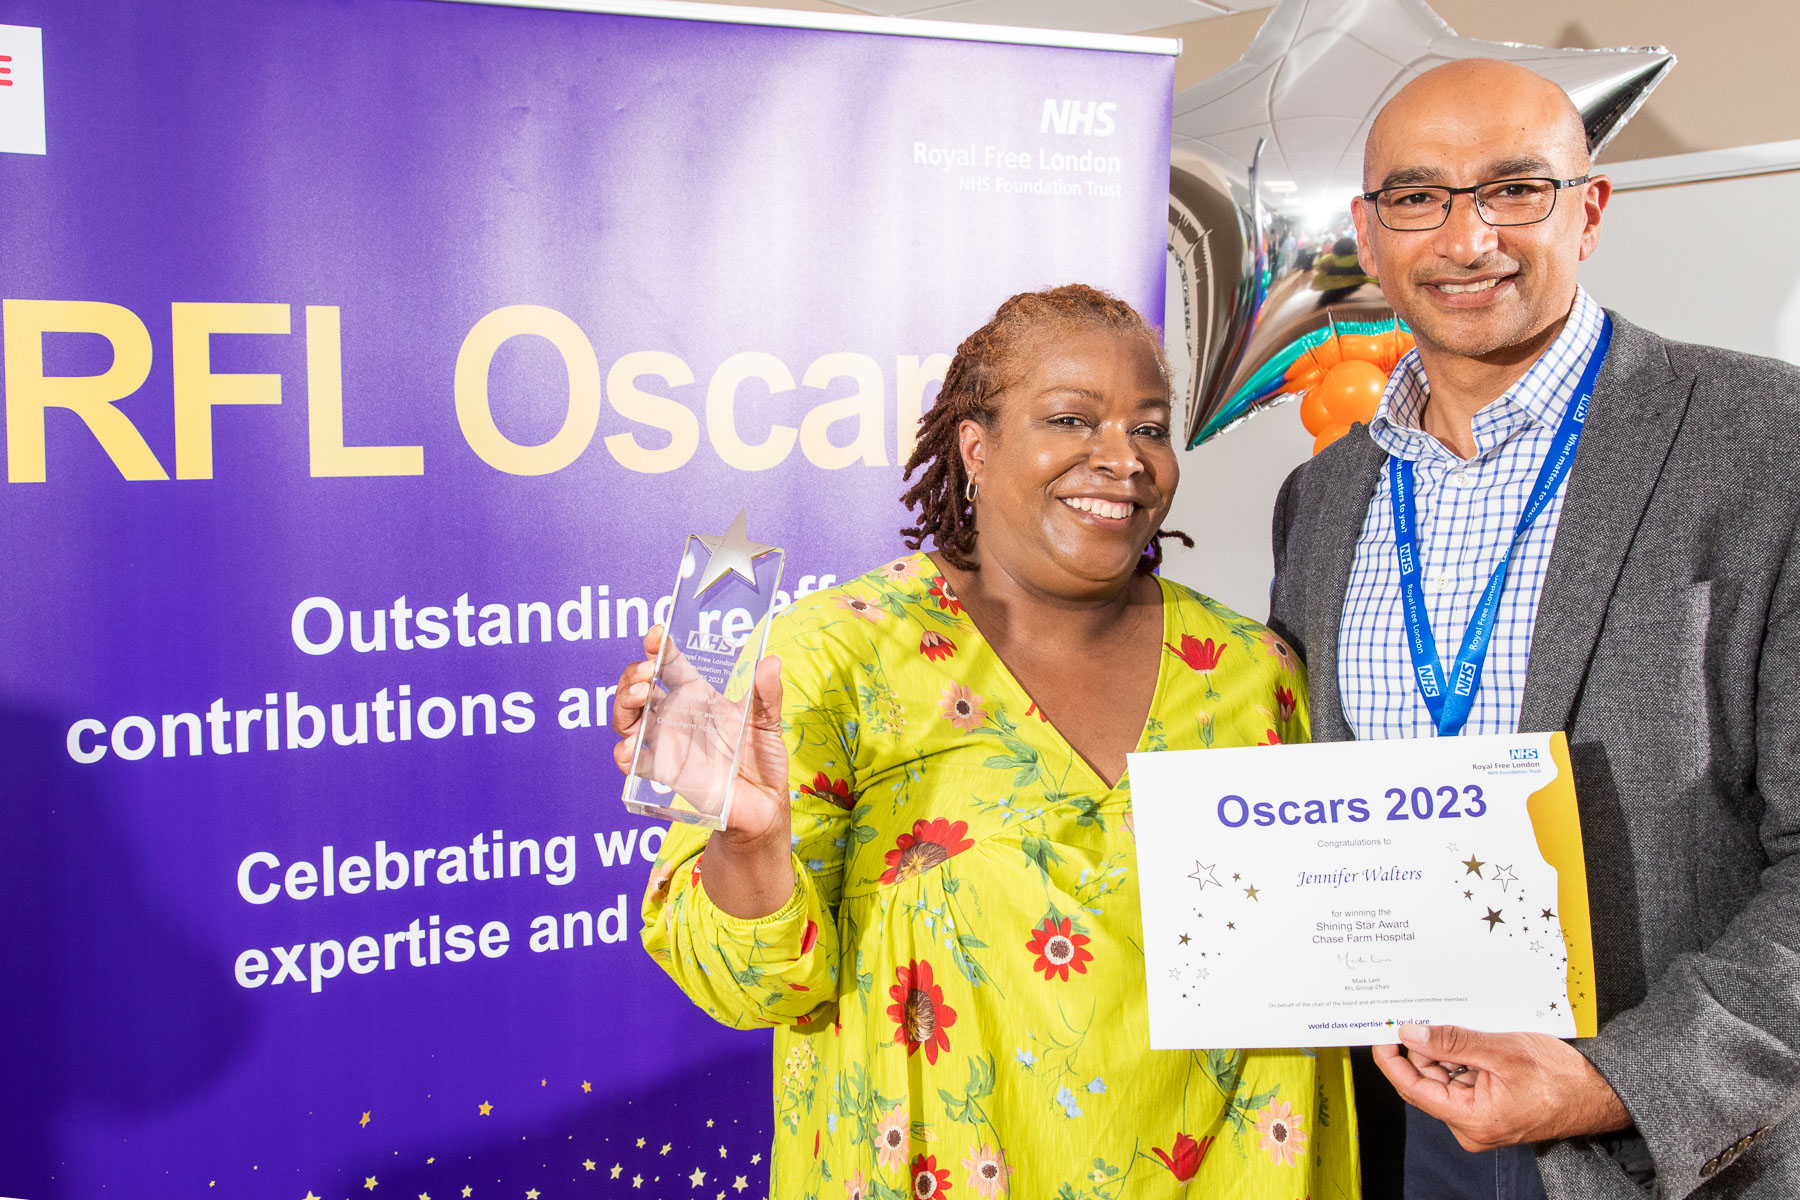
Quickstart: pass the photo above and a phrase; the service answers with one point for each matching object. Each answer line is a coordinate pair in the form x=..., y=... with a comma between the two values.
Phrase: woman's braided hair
x=986, y=364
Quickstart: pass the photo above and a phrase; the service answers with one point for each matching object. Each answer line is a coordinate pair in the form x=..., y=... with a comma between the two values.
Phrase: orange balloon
x=1312, y=412
x=1329, y=436
x=1361, y=346
x=1351, y=390
x=1325, y=355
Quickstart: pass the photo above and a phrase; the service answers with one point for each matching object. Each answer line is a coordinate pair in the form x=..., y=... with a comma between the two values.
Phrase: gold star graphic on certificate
x=1468, y=895
x=1250, y=892
x=1231, y=924
x=370, y=1184
x=1204, y=874
x=1184, y=939
x=1474, y=866
x=486, y=1109
x=365, y=1121
x=697, y=1178
x=586, y=1086
x=1504, y=876
x=588, y=1164
x=1493, y=918
x=740, y=1183
x=732, y=553
x=1548, y=915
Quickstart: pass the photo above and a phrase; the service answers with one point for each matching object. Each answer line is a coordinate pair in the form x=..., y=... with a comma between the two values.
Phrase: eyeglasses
x=1498, y=202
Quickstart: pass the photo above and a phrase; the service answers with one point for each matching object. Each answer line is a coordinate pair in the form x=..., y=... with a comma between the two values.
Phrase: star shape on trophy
x=730, y=553
x=1205, y=875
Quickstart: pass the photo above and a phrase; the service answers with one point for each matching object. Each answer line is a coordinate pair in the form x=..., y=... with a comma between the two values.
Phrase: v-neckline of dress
x=1012, y=681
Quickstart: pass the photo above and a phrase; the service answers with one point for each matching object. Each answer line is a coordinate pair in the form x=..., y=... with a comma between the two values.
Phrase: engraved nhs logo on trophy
x=685, y=764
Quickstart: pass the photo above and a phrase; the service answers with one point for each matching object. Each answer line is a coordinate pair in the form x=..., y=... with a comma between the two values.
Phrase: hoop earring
x=971, y=489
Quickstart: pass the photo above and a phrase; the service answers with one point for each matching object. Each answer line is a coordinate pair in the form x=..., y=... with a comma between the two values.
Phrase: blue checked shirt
x=1467, y=512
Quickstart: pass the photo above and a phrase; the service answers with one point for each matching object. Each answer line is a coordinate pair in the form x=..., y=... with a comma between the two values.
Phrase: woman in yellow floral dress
x=929, y=885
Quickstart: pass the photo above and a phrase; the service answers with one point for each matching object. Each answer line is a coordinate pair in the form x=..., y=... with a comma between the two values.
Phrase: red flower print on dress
x=927, y=1180
x=694, y=875
x=1284, y=703
x=1271, y=738
x=936, y=646
x=961, y=707
x=919, y=1013
x=1058, y=949
x=946, y=599
x=861, y=608
x=1198, y=655
x=837, y=791
x=809, y=939
x=929, y=843
x=1282, y=1136
x=1035, y=711
x=1188, y=1155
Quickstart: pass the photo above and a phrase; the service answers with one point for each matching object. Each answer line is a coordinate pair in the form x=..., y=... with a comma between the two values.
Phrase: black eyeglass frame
x=1556, y=185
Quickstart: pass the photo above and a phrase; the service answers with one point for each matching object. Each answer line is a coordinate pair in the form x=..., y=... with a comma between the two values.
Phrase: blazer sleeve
x=1709, y=1061
x=1287, y=604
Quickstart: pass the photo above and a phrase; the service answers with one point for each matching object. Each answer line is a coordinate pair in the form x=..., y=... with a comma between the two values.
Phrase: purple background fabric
x=693, y=188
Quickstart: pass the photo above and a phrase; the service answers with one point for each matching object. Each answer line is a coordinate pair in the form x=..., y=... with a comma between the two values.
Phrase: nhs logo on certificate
x=1322, y=895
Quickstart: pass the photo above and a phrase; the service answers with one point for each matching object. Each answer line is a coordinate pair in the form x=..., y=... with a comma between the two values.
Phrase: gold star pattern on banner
x=309, y=1195
x=424, y=1196
x=1474, y=866
x=732, y=553
x=709, y=1122
x=467, y=1191
x=587, y=1164
x=637, y=1181
x=369, y=1183
x=697, y=1178
x=586, y=1086
x=667, y=1146
x=616, y=1168
x=740, y=1183
x=1493, y=918
x=486, y=1109
x=531, y=1194
x=640, y=1143
x=365, y=1121
x=756, y=1158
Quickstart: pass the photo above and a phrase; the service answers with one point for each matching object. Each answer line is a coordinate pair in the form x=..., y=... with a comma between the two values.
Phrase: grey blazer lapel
x=1637, y=408
x=1332, y=555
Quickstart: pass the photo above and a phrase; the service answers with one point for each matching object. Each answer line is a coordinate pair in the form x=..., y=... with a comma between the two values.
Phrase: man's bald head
x=1471, y=92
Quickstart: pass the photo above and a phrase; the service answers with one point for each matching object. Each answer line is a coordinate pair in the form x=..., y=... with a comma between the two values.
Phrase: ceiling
x=1113, y=16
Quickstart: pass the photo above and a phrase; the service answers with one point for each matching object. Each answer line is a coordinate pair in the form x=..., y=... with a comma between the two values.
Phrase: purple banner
x=366, y=362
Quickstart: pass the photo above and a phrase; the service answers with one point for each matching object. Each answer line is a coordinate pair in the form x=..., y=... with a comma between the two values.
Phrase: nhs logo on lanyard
x=1428, y=682
x=1465, y=678
x=1406, y=560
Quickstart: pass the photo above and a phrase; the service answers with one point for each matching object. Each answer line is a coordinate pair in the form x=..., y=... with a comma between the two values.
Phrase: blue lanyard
x=1450, y=700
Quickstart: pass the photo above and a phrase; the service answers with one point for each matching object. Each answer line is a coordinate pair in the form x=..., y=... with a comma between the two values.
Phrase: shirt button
x=1461, y=478
x=1441, y=583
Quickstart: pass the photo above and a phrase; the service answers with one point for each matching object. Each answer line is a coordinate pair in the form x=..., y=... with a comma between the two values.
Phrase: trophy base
x=643, y=798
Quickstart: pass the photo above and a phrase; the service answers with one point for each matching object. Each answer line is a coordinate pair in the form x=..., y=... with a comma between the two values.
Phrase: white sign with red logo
x=21, y=89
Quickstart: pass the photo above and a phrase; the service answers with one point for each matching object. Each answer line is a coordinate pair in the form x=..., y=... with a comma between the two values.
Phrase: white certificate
x=1322, y=895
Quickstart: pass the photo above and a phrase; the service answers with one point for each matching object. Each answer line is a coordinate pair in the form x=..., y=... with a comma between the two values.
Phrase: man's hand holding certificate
x=1325, y=895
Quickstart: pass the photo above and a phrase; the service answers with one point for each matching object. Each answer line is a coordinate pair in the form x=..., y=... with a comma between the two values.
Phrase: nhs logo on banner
x=21, y=90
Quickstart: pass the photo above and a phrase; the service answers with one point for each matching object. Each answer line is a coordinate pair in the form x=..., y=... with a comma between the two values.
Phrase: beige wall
x=1736, y=81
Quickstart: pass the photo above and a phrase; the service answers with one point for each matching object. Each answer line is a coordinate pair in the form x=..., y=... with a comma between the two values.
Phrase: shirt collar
x=1542, y=395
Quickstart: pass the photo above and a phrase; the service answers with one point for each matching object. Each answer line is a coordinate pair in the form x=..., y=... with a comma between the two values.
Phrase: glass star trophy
x=691, y=738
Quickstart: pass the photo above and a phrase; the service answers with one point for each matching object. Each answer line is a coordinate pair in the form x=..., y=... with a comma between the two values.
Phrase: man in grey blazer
x=1651, y=610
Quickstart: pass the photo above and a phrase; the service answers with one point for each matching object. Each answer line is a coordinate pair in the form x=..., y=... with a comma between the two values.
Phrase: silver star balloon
x=1266, y=156
x=730, y=553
